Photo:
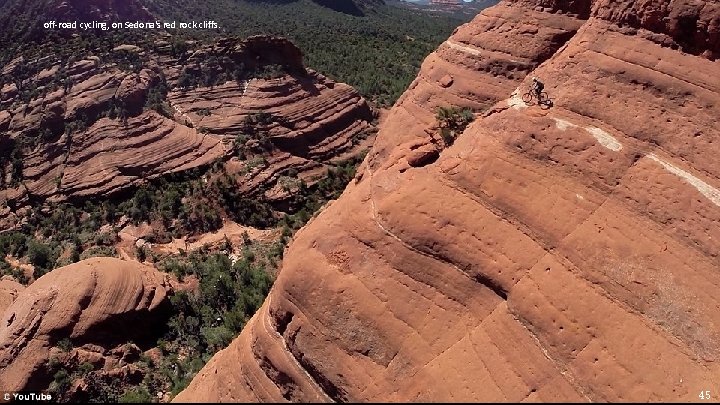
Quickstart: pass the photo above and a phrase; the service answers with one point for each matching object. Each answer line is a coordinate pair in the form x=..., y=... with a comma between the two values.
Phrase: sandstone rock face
x=111, y=154
x=100, y=301
x=9, y=290
x=551, y=254
x=310, y=116
x=96, y=137
x=313, y=121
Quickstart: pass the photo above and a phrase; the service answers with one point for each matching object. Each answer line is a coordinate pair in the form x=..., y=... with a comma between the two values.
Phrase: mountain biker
x=537, y=86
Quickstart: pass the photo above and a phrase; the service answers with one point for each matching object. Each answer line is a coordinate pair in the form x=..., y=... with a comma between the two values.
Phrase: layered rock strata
x=96, y=135
x=98, y=303
x=551, y=254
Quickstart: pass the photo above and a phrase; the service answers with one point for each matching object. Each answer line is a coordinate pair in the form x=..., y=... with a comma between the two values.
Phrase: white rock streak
x=603, y=138
x=463, y=48
x=608, y=141
x=515, y=101
x=562, y=124
x=712, y=193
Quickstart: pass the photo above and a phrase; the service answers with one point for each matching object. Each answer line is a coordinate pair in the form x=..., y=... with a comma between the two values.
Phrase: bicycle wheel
x=527, y=98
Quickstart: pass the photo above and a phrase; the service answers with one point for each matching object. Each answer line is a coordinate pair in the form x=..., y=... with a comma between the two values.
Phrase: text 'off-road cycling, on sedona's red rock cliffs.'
x=550, y=254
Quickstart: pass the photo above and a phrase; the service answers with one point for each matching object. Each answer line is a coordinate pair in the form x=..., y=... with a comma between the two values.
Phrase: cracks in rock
x=499, y=350
x=281, y=323
x=668, y=335
x=478, y=278
x=287, y=386
x=492, y=285
x=652, y=70
x=560, y=366
x=602, y=292
x=502, y=215
x=371, y=247
x=330, y=389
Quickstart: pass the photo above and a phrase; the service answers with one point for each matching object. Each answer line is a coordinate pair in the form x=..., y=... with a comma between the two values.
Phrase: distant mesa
x=83, y=10
x=352, y=7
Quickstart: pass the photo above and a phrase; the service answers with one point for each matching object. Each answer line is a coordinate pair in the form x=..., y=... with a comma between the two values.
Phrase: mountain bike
x=544, y=100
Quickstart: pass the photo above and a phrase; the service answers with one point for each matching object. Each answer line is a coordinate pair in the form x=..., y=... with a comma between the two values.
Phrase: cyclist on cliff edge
x=538, y=87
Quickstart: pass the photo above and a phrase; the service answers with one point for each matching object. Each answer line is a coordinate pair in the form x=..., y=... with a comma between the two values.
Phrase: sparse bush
x=85, y=368
x=105, y=239
x=270, y=72
x=99, y=251
x=452, y=122
x=61, y=382
x=136, y=395
x=185, y=81
x=40, y=255
x=156, y=99
x=64, y=344
x=140, y=253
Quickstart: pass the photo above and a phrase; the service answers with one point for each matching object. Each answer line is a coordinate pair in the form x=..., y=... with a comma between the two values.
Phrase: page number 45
x=704, y=395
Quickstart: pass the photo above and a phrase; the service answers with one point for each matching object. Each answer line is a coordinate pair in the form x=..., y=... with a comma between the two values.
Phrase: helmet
x=534, y=78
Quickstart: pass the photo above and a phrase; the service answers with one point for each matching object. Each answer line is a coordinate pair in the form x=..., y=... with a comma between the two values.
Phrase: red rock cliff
x=562, y=254
x=98, y=302
x=315, y=121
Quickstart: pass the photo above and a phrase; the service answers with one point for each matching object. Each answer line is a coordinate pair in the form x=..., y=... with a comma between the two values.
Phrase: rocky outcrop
x=103, y=302
x=92, y=138
x=96, y=135
x=111, y=155
x=551, y=254
x=480, y=64
x=309, y=120
x=304, y=113
x=9, y=290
